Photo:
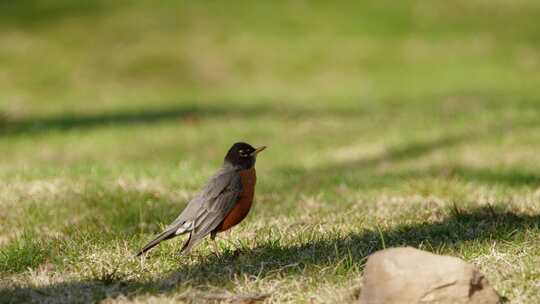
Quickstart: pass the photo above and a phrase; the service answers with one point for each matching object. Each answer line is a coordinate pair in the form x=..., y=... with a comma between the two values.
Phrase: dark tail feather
x=165, y=235
x=186, y=245
x=189, y=244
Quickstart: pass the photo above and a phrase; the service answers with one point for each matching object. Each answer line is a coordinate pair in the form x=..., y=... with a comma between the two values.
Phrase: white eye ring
x=242, y=153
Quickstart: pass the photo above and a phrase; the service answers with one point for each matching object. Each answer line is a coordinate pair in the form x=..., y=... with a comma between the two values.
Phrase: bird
x=222, y=203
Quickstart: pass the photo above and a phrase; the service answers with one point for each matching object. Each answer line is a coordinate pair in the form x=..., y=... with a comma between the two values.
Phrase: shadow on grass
x=364, y=172
x=191, y=113
x=36, y=14
x=339, y=253
x=183, y=114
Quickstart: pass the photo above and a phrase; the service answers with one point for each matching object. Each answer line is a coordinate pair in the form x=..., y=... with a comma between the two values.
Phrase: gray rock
x=408, y=275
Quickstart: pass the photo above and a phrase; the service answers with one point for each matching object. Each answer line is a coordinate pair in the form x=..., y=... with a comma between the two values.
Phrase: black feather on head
x=241, y=155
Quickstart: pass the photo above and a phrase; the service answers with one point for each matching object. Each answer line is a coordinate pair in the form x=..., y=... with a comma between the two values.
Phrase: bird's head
x=242, y=155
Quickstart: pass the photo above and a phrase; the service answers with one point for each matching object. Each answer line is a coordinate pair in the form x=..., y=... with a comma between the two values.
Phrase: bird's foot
x=216, y=249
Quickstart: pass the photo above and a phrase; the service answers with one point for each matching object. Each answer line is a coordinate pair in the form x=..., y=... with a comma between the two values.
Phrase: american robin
x=223, y=202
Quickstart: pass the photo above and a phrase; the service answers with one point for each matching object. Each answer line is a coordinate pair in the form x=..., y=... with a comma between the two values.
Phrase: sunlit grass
x=412, y=124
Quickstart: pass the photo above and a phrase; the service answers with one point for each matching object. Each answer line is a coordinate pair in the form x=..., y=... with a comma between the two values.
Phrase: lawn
x=388, y=124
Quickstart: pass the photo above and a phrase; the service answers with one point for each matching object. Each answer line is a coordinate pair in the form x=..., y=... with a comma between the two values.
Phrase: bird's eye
x=242, y=153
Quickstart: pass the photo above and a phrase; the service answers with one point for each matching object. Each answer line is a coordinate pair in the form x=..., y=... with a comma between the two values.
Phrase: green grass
x=388, y=124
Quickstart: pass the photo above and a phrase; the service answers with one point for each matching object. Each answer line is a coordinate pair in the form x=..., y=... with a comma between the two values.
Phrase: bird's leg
x=216, y=248
x=215, y=245
x=235, y=247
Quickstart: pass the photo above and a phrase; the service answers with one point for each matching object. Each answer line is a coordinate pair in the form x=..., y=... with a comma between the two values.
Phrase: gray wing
x=218, y=196
x=205, y=211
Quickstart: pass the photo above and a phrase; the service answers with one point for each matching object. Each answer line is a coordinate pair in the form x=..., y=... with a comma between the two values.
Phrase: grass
x=410, y=124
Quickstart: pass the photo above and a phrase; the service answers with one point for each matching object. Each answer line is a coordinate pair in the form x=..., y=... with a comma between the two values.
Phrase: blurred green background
x=113, y=113
x=77, y=57
x=77, y=65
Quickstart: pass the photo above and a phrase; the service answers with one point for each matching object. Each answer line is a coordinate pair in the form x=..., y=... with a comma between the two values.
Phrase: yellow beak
x=259, y=149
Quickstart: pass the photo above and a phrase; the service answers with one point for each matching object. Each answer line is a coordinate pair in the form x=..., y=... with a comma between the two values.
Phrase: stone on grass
x=408, y=275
